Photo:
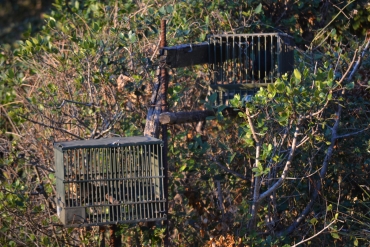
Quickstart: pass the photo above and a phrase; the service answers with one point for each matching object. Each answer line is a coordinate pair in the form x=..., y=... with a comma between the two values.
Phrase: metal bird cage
x=242, y=63
x=109, y=181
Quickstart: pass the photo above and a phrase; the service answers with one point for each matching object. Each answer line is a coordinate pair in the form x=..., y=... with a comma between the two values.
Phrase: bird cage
x=242, y=63
x=109, y=181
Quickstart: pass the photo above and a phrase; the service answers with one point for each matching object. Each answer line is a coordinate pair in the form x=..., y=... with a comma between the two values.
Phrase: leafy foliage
x=245, y=179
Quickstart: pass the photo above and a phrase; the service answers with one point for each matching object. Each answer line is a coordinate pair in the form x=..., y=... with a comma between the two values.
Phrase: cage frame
x=280, y=52
x=115, y=206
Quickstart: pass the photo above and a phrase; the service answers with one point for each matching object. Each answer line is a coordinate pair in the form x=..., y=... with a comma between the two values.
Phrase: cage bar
x=242, y=63
x=109, y=181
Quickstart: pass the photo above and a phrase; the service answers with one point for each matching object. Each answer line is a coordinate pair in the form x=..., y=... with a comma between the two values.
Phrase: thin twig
x=75, y=102
x=335, y=17
x=308, y=239
x=228, y=170
x=42, y=167
x=52, y=127
x=352, y=134
x=349, y=68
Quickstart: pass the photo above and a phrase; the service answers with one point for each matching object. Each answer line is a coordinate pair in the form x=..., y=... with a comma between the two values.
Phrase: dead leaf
x=122, y=80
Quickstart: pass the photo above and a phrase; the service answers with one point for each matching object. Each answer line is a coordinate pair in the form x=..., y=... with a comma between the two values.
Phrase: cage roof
x=107, y=142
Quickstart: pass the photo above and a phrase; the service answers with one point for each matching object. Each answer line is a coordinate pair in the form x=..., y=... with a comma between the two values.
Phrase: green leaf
x=235, y=102
x=331, y=74
x=29, y=43
x=333, y=32
x=35, y=41
x=10, y=73
x=335, y=235
x=255, y=169
x=208, y=107
x=350, y=85
x=270, y=88
x=241, y=114
x=231, y=157
x=162, y=10
x=313, y=221
x=52, y=23
x=221, y=108
x=280, y=87
x=355, y=242
x=12, y=243
x=258, y=9
x=247, y=14
x=169, y=9
x=212, y=98
x=297, y=74
x=182, y=168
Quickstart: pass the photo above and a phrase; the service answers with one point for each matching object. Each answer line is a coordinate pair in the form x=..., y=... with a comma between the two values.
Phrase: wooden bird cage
x=109, y=181
x=242, y=63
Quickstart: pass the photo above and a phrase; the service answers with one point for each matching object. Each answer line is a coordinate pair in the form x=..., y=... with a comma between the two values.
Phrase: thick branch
x=184, y=117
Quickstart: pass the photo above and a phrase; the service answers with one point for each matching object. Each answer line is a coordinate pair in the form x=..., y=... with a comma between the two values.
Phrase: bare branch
x=52, y=127
x=257, y=179
x=318, y=112
x=314, y=236
x=228, y=170
x=303, y=141
x=352, y=134
x=330, y=149
x=349, y=69
x=359, y=60
x=254, y=133
x=42, y=167
x=75, y=102
x=286, y=168
x=324, y=168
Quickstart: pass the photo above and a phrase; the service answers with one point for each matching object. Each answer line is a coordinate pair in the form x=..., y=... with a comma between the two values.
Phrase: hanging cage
x=242, y=63
x=109, y=181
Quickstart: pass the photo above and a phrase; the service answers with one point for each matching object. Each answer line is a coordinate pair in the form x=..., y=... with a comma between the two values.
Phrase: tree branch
x=286, y=168
x=352, y=134
x=329, y=152
x=314, y=236
x=324, y=168
x=52, y=127
x=257, y=179
x=228, y=170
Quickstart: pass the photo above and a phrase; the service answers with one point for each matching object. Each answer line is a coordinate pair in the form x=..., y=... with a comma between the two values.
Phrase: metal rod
x=164, y=84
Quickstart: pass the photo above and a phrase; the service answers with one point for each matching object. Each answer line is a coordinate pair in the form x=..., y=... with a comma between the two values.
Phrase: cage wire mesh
x=242, y=63
x=109, y=181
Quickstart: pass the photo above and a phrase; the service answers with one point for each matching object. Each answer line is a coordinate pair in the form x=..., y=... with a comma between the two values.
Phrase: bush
x=294, y=162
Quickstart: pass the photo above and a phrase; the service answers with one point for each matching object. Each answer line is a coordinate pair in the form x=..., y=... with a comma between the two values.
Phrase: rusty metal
x=164, y=88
